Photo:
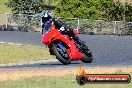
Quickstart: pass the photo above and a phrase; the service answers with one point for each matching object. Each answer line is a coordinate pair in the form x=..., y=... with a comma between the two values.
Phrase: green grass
x=3, y=7
x=56, y=82
x=22, y=53
x=3, y=1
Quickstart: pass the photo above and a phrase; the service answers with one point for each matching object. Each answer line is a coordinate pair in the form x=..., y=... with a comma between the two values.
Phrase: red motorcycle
x=65, y=47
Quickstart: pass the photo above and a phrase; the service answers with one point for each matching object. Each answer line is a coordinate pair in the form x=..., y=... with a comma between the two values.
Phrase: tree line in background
x=85, y=9
x=94, y=9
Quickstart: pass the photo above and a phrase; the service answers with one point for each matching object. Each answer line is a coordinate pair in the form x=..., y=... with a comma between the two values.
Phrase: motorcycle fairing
x=54, y=35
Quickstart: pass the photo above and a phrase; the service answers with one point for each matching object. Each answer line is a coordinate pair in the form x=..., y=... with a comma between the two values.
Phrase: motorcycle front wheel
x=61, y=55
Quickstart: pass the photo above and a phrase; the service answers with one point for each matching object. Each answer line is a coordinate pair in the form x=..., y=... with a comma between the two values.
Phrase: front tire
x=59, y=56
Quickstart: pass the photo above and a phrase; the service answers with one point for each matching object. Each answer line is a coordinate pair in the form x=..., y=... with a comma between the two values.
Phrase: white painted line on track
x=2, y=42
x=10, y=43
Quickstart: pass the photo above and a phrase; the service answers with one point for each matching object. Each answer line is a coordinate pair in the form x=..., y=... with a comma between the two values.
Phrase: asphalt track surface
x=108, y=50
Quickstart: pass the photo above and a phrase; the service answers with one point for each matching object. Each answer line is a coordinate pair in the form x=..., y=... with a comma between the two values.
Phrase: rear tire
x=87, y=54
x=87, y=58
x=63, y=60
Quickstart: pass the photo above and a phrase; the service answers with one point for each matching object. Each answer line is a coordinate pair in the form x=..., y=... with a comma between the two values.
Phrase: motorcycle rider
x=48, y=20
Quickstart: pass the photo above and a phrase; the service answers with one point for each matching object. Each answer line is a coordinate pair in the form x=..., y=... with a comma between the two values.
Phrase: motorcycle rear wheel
x=87, y=54
x=63, y=59
x=87, y=58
